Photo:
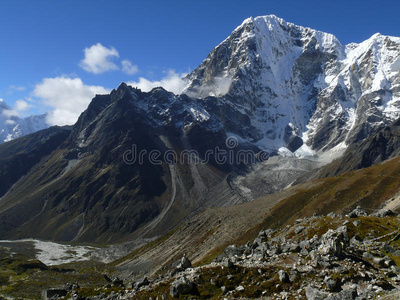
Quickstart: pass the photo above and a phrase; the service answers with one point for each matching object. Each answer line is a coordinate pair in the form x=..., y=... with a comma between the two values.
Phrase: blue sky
x=42, y=50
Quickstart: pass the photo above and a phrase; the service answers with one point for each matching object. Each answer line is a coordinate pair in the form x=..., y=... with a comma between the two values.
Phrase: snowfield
x=51, y=253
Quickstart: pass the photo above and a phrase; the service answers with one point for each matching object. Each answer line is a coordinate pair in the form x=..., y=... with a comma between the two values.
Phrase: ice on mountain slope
x=12, y=126
x=298, y=85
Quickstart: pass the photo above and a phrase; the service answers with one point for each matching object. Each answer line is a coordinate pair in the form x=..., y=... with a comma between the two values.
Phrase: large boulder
x=182, y=264
x=181, y=286
x=334, y=242
x=358, y=212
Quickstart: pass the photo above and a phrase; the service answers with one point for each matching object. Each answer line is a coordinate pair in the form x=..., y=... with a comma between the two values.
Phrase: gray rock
x=304, y=252
x=331, y=283
x=368, y=256
x=383, y=213
x=283, y=276
x=334, y=242
x=262, y=234
x=54, y=293
x=227, y=263
x=142, y=282
x=232, y=251
x=299, y=229
x=294, y=247
x=181, y=286
x=240, y=288
x=182, y=264
x=358, y=212
x=315, y=294
x=224, y=289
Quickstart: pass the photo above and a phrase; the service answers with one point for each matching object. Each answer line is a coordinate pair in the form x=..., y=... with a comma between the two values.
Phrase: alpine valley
x=318, y=123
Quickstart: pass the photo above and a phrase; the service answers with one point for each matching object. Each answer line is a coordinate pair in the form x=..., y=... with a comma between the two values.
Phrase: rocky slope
x=12, y=126
x=349, y=257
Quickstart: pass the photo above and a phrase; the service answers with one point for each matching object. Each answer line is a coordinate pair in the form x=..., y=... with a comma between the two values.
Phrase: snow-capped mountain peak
x=12, y=126
x=296, y=85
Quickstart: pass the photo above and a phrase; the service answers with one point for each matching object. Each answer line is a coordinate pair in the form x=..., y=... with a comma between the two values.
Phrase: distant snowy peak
x=12, y=126
x=288, y=85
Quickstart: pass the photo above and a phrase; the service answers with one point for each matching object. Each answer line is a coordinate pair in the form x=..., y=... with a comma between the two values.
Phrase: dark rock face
x=17, y=157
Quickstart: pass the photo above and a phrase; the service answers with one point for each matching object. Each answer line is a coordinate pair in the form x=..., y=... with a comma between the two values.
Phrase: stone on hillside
x=358, y=212
x=142, y=282
x=232, y=251
x=331, y=283
x=367, y=255
x=283, y=276
x=227, y=263
x=294, y=247
x=383, y=213
x=118, y=282
x=304, y=252
x=315, y=294
x=240, y=288
x=181, y=286
x=299, y=229
x=182, y=264
x=334, y=242
x=54, y=293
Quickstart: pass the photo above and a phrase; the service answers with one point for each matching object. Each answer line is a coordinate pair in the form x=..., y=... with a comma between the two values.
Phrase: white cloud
x=173, y=82
x=67, y=98
x=17, y=88
x=9, y=113
x=10, y=122
x=98, y=59
x=217, y=87
x=129, y=68
x=21, y=105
